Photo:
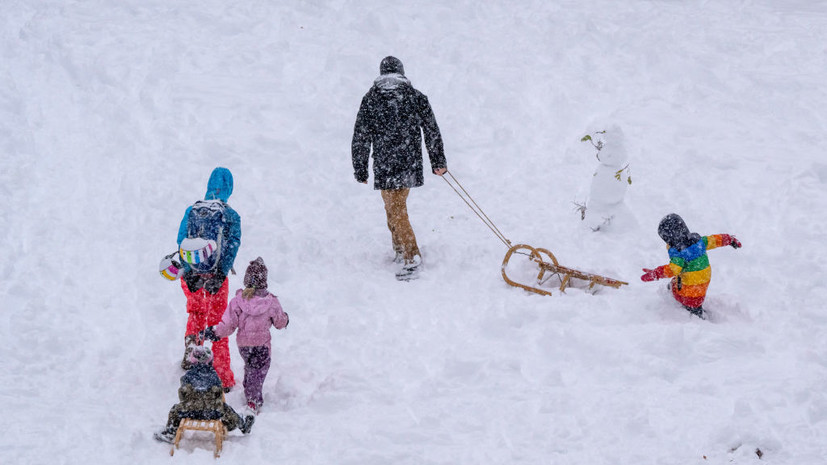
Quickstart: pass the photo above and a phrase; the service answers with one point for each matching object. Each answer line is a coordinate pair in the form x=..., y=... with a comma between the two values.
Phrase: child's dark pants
x=256, y=366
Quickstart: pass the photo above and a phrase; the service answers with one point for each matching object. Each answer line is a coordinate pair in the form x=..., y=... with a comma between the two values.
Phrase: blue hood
x=220, y=185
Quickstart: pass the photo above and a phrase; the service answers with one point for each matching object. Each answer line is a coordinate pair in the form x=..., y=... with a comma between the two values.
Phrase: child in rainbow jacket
x=688, y=263
x=253, y=311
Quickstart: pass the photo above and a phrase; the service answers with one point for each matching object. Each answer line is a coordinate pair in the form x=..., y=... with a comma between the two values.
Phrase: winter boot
x=189, y=343
x=247, y=423
x=409, y=269
x=697, y=311
x=165, y=435
x=253, y=408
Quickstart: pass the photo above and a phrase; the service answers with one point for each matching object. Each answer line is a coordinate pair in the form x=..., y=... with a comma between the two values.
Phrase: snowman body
x=607, y=192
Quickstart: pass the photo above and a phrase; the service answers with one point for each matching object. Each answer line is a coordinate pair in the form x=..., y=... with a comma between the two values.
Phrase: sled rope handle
x=472, y=204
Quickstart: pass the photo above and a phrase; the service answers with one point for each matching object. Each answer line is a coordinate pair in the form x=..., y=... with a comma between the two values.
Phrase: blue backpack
x=205, y=235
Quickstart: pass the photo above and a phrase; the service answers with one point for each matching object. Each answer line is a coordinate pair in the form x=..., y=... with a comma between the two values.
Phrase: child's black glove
x=193, y=280
x=209, y=333
x=213, y=284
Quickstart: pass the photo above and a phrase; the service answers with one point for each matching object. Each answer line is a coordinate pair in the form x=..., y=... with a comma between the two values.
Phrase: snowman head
x=612, y=144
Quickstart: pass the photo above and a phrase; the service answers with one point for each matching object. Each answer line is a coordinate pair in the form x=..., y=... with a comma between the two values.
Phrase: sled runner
x=547, y=263
x=212, y=426
x=545, y=260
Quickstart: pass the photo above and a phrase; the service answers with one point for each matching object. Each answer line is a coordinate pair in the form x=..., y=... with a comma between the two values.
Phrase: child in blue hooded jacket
x=204, y=279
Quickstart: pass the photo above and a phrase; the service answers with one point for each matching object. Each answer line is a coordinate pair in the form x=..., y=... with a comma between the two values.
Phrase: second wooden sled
x=547, y=263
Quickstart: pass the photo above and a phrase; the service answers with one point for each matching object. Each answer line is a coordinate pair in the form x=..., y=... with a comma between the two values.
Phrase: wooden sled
x=212, y=426
x=548, y=264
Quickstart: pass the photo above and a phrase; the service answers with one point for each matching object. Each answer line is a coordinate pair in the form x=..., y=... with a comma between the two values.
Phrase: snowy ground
x=113, y=114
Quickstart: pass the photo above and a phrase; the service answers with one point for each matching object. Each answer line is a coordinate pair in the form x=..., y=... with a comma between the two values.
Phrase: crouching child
x=202, y=398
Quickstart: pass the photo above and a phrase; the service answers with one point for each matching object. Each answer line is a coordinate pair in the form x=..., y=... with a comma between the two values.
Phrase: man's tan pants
x=402, y=235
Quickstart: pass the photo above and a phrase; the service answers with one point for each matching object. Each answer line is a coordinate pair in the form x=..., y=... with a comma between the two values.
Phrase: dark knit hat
x=674, y=232
x=391, y=65
x=256, y=275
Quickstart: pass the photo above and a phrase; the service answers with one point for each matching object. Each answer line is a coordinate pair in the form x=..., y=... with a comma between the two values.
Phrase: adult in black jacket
x=391, y=121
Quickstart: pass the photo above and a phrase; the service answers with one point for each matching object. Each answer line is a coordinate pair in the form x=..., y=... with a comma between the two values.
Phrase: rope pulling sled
x=543, y=258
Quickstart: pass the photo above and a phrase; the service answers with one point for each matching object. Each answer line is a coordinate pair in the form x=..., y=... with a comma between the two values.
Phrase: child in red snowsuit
x=207, y=289
x=688, y=263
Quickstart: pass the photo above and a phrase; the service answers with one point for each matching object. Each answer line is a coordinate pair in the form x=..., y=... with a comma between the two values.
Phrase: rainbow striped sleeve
x=666, y=271
x=672, y=269
x=717, y=240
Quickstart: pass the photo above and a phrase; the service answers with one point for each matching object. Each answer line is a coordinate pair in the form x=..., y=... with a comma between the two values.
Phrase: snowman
x=610, y=181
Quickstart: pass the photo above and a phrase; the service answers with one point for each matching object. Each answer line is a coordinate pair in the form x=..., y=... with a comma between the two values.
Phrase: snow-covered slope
x=113, y=114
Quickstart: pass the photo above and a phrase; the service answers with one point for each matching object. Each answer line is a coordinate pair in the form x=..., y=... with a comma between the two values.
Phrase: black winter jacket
x=391, y=119
x=201, y=376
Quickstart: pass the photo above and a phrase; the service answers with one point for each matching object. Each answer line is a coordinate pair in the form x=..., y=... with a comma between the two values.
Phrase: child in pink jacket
x=252, y=311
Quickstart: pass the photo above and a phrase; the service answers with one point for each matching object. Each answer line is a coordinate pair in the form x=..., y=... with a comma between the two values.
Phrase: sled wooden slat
x=547, y=263
x=211, y=426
